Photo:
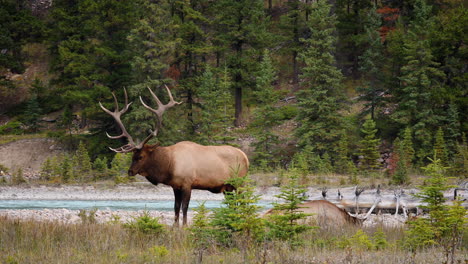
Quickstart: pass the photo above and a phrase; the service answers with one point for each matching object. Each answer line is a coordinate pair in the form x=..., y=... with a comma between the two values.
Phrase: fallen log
x=397, y=201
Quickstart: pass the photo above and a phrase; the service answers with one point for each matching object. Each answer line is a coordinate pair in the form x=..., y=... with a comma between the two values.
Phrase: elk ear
x=153, y=147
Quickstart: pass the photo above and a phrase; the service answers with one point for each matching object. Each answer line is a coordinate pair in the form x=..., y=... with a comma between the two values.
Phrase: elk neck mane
x=159, y=164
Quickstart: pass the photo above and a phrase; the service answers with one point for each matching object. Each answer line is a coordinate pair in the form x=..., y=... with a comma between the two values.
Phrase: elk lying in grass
x=183, y=166
x=324, y=213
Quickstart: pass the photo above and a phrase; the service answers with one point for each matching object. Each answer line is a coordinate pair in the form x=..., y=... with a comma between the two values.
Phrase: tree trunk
x=295, y=68
x=238, y=105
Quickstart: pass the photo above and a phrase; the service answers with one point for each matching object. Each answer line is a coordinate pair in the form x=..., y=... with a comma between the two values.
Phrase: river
x=131, y=205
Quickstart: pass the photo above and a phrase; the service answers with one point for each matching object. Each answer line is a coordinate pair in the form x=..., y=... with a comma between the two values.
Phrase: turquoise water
x=130, y=205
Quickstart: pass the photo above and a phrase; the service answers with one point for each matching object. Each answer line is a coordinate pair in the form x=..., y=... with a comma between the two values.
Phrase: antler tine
x=150, y=136
x=116, y=115
x=171, y=99
x=161, y=107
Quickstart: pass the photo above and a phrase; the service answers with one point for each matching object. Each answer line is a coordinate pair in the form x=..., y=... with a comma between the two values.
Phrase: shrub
x=88, y=217
x=3, y=169
x=100, y=168
x=146, y=224
x=18, y=177
x=13, y=127
x=120, y=164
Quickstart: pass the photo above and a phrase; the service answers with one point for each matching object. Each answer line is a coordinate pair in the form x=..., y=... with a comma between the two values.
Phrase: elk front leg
x=186, y=193
x=177, y=203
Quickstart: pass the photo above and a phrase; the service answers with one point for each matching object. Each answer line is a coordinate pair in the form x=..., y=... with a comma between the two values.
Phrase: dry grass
x=48, y=242
x=4, y=139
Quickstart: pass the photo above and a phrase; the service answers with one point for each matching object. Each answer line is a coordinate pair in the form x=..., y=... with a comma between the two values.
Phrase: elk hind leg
x=185, y=204
x=177, y=204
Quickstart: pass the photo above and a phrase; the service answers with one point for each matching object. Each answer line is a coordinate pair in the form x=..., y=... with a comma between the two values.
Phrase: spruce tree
x=440, y=150
x=192, y=48
x=400, y=172
x=83, y=162
x=241, y=33
x=238, y=217
x=407, y=147
x=267, y=115
x=446, y=223
x=32, y=113
x=152, y=44
x=100, y=168
x=452, y=130
x=287, y=221
x=89, y=48
x=371, y=63
x=216, y=109
x=420, y=80
x=343, y=162
x=460, y=161
x=319, y=120
x=369, y=147
x=293, y=27
x=201, y=231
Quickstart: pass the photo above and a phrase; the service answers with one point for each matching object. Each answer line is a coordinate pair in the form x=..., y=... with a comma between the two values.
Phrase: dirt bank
x=28, y=154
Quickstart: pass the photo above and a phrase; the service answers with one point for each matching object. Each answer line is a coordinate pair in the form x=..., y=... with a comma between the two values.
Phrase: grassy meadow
x=51, y=242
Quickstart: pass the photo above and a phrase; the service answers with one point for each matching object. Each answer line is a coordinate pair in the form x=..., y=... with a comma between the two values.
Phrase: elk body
x=183, y=166
x=326, y=214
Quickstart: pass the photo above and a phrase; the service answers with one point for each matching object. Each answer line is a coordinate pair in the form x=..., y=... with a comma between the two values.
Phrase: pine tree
x=241, y=34
x=293, y=26
x=446, y=223
x=369, y=148
x=152, y=43
x=193, y=25
x=100, y=168
x=319, y=101
x=238, y=217
x=420, y=80
x=407, y=147
x=343, y=162
x=216, y=110
x=120, y=164
x=351, y=29
x=89, y=48
x=285, y=221
x=400, y=172
x=46, y=169
x=371, y=64
x=440, y=150
x=267, y=115
x=32, y=113
x=460, y=161
x=201, y=231
x=452, y=130
x=66, y=169
x=83, y=162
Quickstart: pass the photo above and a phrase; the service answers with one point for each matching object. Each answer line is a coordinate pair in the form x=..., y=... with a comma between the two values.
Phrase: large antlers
x=117, y=113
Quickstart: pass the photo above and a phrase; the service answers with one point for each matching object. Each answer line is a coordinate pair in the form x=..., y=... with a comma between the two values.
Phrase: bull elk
x=327, y=214
x=183, y=166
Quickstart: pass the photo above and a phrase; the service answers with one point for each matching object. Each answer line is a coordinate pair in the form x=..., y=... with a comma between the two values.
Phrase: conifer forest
x=317, y=93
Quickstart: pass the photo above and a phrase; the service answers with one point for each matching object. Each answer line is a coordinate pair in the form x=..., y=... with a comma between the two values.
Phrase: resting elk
x=183, y=166
x=326, y=214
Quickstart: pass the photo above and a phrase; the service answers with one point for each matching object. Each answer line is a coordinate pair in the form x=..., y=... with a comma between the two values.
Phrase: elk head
x=140, y=150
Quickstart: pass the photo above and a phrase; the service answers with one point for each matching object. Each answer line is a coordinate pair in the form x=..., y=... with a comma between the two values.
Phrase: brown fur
x=186, y=166
x=326, y=214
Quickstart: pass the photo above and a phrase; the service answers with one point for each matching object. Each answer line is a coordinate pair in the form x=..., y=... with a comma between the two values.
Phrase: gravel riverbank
x=139, y=191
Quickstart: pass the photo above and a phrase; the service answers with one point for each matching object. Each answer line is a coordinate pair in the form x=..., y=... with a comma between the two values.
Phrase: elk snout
x=131, y=172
